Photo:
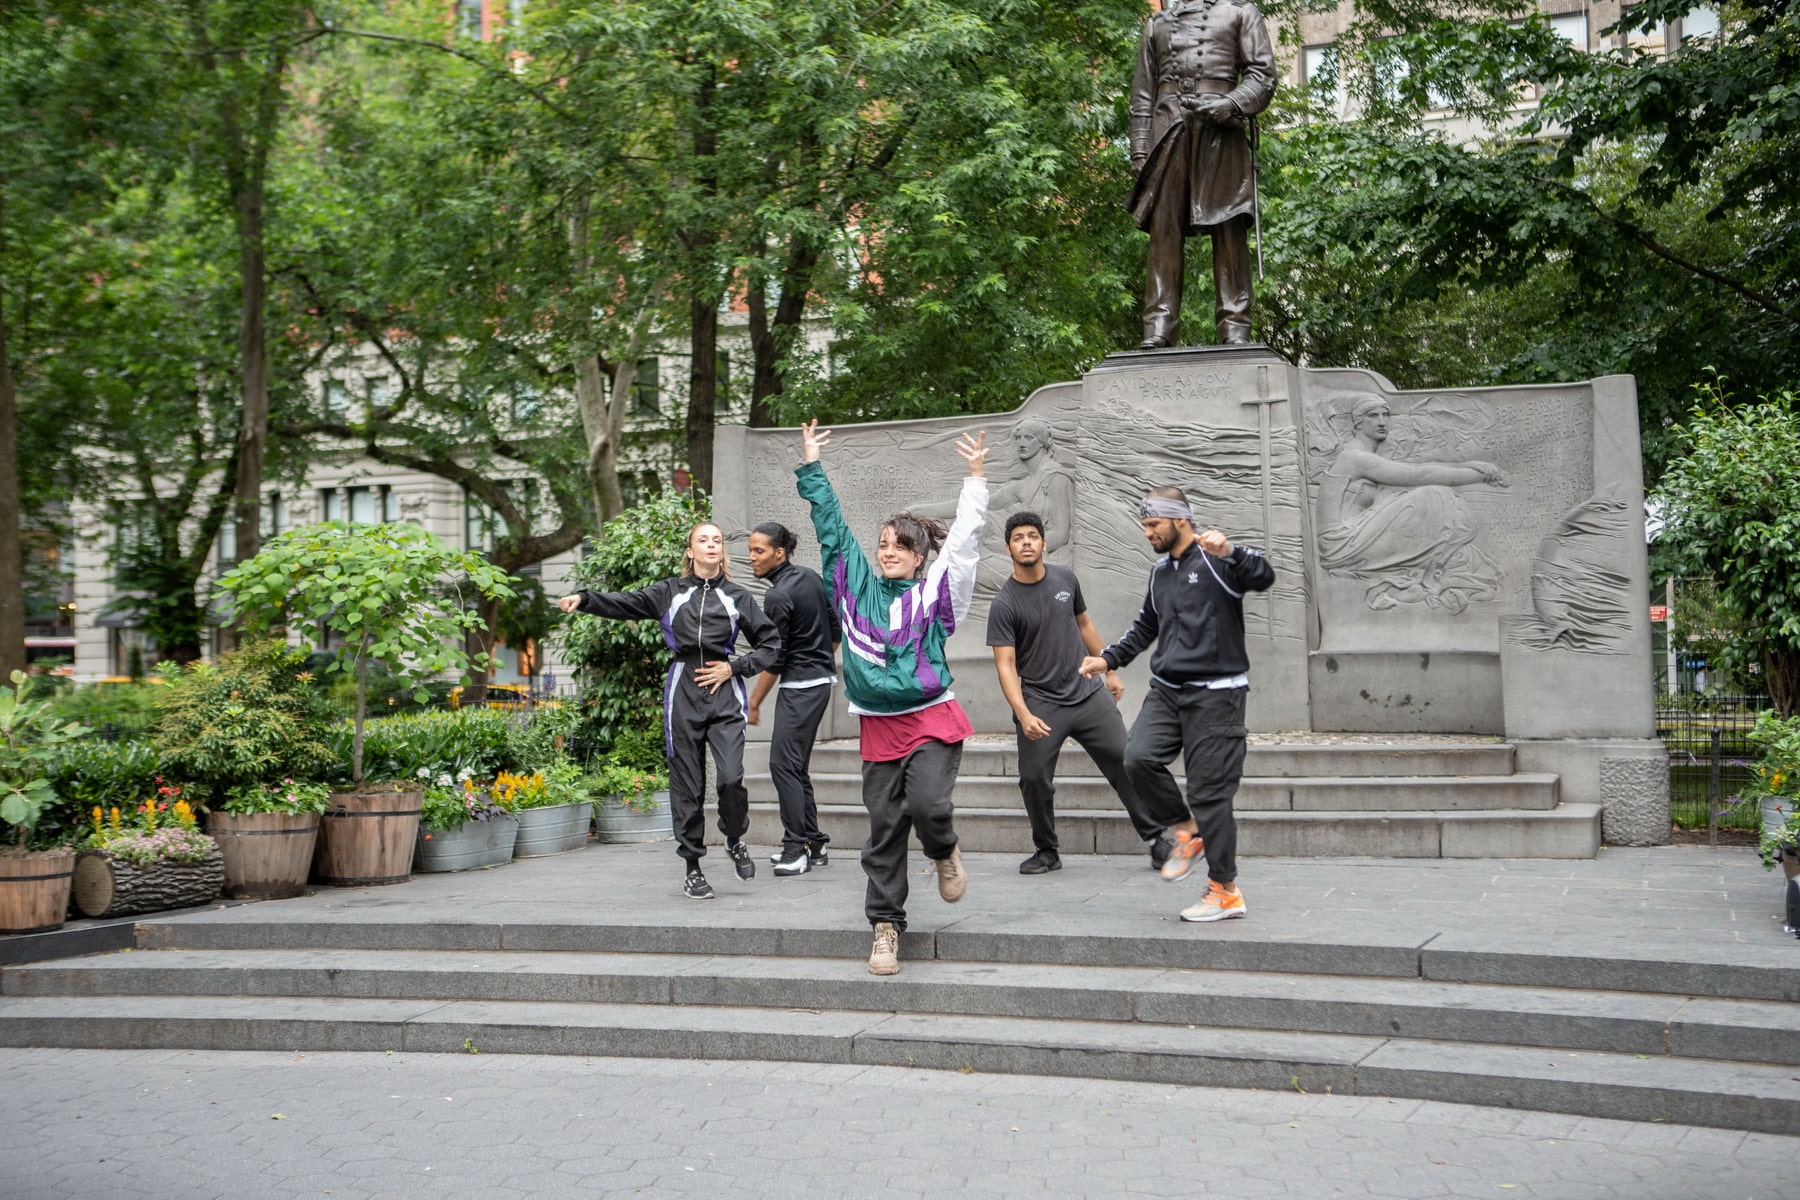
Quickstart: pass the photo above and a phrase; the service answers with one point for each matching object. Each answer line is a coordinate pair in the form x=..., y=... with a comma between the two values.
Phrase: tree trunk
x=772, y=341
x=12, y=552
x=111, y=887
x=253, y=359
x=596, y=425
x=1781, y=671
x=703, y=390
x=362, y=711
x=479, y=644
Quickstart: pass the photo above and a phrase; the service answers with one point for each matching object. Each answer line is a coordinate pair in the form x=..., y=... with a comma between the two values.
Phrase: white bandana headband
x=1162, y=506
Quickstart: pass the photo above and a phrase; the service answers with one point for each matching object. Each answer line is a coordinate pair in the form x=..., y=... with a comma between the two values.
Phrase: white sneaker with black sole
x=796, y=862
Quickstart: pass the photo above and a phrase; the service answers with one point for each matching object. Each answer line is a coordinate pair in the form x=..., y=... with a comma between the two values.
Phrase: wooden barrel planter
x=553, y=829
x=473, y=844
x=111, y=887
x=268, y=856
x=368, y=838
x=34, y=890
x=617, y=822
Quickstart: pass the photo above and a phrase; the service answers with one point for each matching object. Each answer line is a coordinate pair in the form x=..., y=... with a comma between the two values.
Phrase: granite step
x=1572, y=1019
x=1725, y=1094
x=1327, y=793
x=996, y=755
x=1561, y=831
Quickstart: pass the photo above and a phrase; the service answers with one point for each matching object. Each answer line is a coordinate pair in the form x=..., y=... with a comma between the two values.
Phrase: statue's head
x=1031, y=436
x=1370, y=417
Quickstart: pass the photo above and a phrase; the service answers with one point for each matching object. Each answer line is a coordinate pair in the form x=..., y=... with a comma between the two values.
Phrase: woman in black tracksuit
x=702, y=612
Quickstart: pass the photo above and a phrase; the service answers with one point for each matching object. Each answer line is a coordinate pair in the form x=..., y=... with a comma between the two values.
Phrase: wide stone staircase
x=1696, y=1042
x=1436, y=798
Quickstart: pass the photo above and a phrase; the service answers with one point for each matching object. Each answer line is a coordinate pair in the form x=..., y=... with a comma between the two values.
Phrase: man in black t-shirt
x=1039, y=629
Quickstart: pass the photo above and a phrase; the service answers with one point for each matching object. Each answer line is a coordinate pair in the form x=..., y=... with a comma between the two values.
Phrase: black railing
x=1711, y=759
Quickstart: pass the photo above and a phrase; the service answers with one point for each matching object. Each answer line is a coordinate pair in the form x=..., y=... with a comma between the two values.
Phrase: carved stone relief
x=415, y=507
x=1388, y=512
x=1581, y=594
x=303, y=509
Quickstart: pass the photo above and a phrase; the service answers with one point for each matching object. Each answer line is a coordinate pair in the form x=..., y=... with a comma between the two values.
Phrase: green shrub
x=29, y=735
x=119, y=709
x=90, y=774
x=469, y=743
x=622, y=664
x=251, y=718
x=284, y=796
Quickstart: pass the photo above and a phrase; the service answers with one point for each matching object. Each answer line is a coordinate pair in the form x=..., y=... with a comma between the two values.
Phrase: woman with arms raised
x=896, y=617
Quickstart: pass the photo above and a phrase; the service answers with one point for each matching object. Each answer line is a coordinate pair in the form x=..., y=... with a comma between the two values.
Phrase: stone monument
x=1463, y=561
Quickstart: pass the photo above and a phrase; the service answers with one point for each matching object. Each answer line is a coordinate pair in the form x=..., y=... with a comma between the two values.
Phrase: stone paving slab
x=96, y=1125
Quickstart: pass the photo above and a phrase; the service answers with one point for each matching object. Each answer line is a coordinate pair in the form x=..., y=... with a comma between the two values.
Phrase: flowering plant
x=161, y=829
x=287, y=796
x=447, y=807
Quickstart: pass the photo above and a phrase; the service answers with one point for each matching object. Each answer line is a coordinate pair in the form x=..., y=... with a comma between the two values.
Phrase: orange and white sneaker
x=1221, y=902
x=1181, y=859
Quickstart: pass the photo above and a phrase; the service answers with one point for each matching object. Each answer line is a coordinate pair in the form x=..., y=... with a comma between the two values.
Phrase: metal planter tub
x=473, y=844
x=552, y=829
x=615, y=821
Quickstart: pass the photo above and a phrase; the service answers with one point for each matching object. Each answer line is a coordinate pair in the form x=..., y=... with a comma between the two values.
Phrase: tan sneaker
x=884, y=956
x=952, y=880
x=1222, y=902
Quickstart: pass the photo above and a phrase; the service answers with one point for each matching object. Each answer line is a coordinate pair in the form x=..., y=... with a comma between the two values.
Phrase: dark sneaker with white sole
x=1160, y=850
x=816, y=856
x=740, y=857
x=696, y=887
x=793, y=862
x=1041, y=863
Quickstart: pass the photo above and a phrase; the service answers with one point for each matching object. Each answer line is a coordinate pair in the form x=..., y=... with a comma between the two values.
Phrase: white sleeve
x=962, y=548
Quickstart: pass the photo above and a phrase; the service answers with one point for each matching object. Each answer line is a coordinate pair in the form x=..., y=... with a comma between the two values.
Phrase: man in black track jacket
x=800, y=609
x=1193, y=614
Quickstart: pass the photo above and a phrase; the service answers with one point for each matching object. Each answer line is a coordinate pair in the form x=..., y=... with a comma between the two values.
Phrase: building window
x=1572, y=28
x=1318, y=65
x=1700, y=23
x=381, y=392
x=482, y=526
x=527, y=403
x=646, y=389
x=337, y=400
x=367, y=505
x=468, y=18
x=274, y=521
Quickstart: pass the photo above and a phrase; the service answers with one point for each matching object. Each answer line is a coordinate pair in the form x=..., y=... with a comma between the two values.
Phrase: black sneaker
x=816, y=855
x=696, y=887
x=793, y=862
x=740, y=855
x=1160, y=850
x=1041, y=863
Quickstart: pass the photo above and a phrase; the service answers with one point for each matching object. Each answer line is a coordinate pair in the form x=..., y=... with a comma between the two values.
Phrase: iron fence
x=1711, y=759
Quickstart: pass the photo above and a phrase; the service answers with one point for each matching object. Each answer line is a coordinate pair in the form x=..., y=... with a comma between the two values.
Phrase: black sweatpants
x=696, y=720
x=906, y=794
x=1096, y=726
x=1206, y=727
x=798, y=712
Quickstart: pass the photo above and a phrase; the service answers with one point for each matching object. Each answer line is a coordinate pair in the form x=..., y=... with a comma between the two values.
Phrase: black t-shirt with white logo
x=1038, y=621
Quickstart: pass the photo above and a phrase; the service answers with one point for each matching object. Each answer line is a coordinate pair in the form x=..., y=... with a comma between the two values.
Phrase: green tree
x=1731, y=505
x=392, y=595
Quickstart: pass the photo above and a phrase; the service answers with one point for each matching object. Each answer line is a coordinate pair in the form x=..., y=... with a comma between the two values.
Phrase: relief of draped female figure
x=1400, y=526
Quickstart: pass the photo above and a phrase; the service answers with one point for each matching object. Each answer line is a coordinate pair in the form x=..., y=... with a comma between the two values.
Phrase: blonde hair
x=687, y=553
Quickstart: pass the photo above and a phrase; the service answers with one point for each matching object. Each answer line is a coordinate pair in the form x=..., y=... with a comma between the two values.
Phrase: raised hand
x=974, y=451
x=1215, y=543
x=1094, y=664
x=813, y=440
x=569, y=603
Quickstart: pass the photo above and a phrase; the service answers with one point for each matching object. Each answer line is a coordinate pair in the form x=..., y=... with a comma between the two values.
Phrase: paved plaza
x=116, y=1125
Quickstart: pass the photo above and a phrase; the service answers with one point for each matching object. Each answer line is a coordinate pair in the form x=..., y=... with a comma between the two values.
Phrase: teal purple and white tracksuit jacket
x=894, y=629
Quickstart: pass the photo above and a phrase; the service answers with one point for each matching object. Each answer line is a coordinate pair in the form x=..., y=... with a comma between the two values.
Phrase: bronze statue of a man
x=1204, y=69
